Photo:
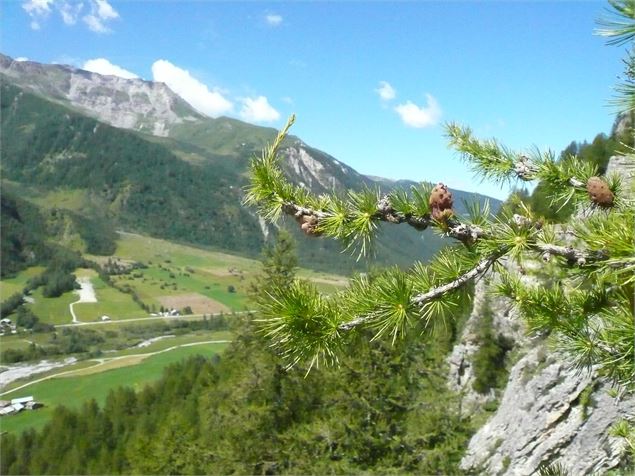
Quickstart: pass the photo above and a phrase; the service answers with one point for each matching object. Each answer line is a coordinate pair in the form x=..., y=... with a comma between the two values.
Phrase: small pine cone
x=441, y=202
x=599, y=192
x=440, y=197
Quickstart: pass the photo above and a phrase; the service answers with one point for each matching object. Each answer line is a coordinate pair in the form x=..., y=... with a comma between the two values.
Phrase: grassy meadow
x=171, y=275
x=16, y=284
x=160, y=273
x=86, y=382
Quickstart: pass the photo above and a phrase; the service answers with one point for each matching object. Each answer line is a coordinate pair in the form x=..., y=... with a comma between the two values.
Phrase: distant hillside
x=180, y=180
x=141, y=185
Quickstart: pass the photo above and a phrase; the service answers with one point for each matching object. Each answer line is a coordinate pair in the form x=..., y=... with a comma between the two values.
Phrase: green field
x=144, y=249
x=16, y=284
x=73, y=391
x=175, y=276
x=110, y=302
x=53, y=310
x=168, y=342
x=22, y=340
x=157, y=282
x=174, y=269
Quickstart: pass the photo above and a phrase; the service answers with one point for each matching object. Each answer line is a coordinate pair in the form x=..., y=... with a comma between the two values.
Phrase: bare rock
x=541, y=419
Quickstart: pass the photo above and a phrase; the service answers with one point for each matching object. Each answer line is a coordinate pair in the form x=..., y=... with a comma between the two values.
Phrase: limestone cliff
x=547, y=412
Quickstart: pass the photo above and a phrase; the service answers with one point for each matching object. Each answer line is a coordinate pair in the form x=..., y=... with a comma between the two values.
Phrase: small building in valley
x=16, y=405
x=22, y=400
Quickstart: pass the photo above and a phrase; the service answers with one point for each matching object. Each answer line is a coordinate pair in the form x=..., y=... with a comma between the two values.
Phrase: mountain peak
x=135, y=104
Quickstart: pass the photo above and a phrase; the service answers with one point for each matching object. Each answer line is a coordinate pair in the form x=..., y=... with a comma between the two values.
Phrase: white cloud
x=37, y=7
x=103, y=66
x=386, y=91
x=70, y=12
x=105, y=10
x=273, y=19
x=38, y=10
x=20, y=59
x=212, y=103
x=101, y=12
x=258, y=110
x=97, y=19
x=420, y=116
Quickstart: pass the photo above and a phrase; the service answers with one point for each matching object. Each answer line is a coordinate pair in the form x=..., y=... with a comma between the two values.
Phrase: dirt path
x=107, y=361
x=86, y=294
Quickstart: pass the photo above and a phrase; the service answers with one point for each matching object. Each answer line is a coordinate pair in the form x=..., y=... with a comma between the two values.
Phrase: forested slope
x=386, y=409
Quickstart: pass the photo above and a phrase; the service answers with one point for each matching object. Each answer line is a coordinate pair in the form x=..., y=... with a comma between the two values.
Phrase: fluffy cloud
x=101, y=12
x=70, y=12
x=273, y=19
x=103, y=66
x=37, y=10
x=97, y=19
x=386, y=91
x=20, y=59
x=37, y=7
x=420, y=116
x=258, y=110
x=212, y=103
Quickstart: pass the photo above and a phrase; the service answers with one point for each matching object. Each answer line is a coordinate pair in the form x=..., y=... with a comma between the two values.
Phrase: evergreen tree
x=279, y=265
x=589, y=315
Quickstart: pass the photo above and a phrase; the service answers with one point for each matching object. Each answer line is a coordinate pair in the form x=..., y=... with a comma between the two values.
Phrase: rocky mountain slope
x=547, y=412
x=135, y=104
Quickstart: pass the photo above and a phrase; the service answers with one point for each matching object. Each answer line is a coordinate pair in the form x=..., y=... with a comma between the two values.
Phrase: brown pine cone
x=599, y=192
x=441, y=202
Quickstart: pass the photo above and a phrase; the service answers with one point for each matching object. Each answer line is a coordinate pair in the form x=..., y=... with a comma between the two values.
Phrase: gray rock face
x=623, y=166
x=135, y=104
x=624, y=123
x=542, y=419
x=548, y=412
x=505, y=321
x=461, y=374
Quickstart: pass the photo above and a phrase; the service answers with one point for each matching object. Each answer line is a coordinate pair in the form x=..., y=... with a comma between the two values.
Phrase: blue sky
x=371, y=83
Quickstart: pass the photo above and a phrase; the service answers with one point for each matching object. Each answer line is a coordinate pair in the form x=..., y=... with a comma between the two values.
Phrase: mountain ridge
x=104, y=97
x=186, y=185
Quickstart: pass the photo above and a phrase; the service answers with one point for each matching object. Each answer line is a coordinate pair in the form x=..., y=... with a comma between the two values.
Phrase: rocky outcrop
x=504, y=322
x=549, y=413
x=145, y=106
x=624, y=124
x=624, y=166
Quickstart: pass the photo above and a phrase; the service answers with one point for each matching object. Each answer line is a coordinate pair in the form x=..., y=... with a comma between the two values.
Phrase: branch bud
x=523, y=168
